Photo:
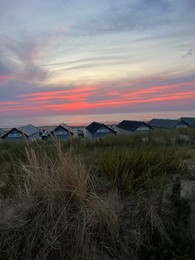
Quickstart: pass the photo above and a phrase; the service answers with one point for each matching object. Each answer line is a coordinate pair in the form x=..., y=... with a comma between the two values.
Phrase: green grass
x=118, y=198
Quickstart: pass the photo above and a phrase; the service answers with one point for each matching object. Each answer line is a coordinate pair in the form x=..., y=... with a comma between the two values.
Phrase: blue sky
x=79, y=56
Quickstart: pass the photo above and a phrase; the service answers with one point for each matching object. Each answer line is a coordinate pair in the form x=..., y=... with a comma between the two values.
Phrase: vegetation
x=117, y=198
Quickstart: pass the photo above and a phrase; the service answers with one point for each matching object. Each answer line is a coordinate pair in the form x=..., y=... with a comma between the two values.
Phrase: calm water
x=86, y=119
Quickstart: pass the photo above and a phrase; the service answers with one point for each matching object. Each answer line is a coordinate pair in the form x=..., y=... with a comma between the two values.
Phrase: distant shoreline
x=73, y=125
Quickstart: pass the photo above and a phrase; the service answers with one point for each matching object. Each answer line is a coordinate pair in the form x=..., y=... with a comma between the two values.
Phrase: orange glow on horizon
x=73, y=100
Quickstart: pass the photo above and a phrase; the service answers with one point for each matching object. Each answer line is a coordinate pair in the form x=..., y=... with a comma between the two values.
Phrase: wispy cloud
x=189, y=53
x=21, y=60
x=99, y=98
x=98, y=56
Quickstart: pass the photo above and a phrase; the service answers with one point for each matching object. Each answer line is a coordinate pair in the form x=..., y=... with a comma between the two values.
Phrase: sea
x=83, y=120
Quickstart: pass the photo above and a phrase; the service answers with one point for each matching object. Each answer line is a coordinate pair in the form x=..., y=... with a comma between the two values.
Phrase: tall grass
x=56, y=213
x=143, y=167
x=114, y=199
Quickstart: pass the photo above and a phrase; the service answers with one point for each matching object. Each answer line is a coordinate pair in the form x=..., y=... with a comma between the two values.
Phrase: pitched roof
x=29, y=130
x=164, y=123
x=11, y=130
x=64, y=126
x=95, y=126
x=130, y=125
x=2, y=131
x=189, y=120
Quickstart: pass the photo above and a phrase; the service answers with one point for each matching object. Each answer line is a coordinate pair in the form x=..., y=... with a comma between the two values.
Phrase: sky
x=107, y=59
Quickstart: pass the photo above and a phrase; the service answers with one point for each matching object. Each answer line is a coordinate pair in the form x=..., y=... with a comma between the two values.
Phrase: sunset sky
x=73, y=58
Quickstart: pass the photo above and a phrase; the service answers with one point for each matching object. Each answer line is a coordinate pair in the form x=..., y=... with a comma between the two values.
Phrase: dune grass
x=55, y=212
x=114, y=199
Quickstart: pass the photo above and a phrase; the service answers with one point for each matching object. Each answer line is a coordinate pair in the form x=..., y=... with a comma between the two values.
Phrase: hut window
x=143, y=128
x=61, y=132
x=103, y=130
x=14, y=135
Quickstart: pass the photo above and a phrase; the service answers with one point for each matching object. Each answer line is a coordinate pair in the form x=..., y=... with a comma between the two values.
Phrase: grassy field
x=118, y=198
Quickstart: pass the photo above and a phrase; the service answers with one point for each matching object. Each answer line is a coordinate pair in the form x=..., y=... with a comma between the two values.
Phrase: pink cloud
x=94, y=98
x=6, y=77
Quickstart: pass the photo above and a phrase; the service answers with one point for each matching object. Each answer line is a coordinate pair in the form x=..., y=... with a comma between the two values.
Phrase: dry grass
x=56, y=213
x=57, y=208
